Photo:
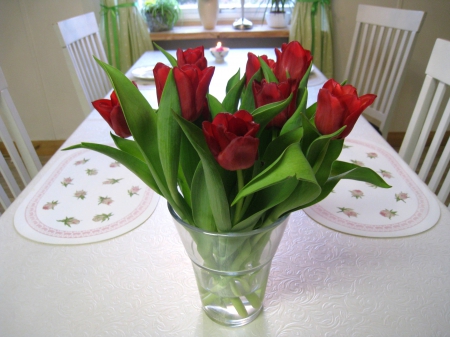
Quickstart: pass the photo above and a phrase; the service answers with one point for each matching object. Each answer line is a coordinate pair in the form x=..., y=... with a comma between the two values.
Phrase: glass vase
x=231, y=269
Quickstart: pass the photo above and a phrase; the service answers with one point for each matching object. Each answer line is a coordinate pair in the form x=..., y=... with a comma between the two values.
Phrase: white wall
x=42, y=90
x=35, y=68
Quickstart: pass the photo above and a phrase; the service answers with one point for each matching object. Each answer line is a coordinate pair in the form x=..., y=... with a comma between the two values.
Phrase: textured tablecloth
x=322, y=282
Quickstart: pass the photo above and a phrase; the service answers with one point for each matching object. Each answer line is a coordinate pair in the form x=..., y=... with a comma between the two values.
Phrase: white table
x=322, y=282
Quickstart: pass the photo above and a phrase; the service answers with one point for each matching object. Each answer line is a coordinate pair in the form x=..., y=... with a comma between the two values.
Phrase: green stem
x=240, y=180
x=239, y=306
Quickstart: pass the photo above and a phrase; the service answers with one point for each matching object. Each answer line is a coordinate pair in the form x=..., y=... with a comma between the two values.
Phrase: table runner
x=87, y=197
x=358, y=208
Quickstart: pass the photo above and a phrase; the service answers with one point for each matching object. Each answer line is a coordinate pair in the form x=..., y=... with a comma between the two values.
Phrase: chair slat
x=18, y=145
x=380, y=50
x=425, y=115
x=80, y=39
x=427, y=125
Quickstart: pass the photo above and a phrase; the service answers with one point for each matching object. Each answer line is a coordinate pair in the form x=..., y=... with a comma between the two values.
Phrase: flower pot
x=208, y=11
x=157, y=23
x=231, y=269
x=277, y=19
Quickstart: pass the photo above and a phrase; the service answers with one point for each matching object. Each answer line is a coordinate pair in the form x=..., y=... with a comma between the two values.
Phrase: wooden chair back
x=431, y=110
x=381, y=47
x=18, y=146
x=80, y=39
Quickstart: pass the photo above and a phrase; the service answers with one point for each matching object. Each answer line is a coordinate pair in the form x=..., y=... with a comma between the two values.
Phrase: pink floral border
x=36, y=224
x=418, y=217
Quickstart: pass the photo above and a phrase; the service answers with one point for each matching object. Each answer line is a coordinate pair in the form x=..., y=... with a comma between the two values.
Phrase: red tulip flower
x=265, y=93
x=253, y=65
x=292, y=61
x=232, y=139
x=192, y=85
x=338, y=106
x=195, y=56
x=160, y=73
x=112, y=113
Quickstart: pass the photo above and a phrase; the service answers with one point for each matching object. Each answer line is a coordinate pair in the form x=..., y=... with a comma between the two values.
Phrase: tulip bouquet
x=239, y=164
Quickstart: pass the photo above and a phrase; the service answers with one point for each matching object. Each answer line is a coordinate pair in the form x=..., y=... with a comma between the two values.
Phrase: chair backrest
x=428, y=113
x=381, y=47
x=16, y=140
x=80, y=39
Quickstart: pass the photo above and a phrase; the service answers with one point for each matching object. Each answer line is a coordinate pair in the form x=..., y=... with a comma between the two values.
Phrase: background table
x=322, y=282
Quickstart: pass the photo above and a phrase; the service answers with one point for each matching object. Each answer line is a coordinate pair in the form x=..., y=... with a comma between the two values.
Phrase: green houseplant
x=161, y=15
x=277, y=17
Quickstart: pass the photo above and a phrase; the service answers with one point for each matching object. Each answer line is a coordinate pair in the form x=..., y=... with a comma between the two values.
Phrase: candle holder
x=219, y=52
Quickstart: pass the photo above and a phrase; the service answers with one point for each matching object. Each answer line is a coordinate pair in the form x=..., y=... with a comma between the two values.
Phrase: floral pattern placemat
x=358, y=208
x=86, y=197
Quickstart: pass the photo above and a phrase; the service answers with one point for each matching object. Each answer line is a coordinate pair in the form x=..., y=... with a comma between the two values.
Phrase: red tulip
x=338, y=106
x=232, y=139
x=192, y=86
x=253, y=65
x=160, y=73
x=265, y=93
x=194, y=56
x=112, y=113
x=292, y=61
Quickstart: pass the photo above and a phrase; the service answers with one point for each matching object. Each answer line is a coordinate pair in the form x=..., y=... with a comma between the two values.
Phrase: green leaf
x=235, y=79
x=318, y=149
x=231, y=100
x=292, y=163
x=129, y=146
x=304, y=81
x=201, y=207
x=170, y=58
x=343, y=170
x=333, y=151
x=136, y=166
x=310, y=134
x=311, y=110
x=215, y=186
x=169, y=137
x=247, y=99
x=215, y=107
x=189, y=159
x=264, y=114
x=279, y=144
x=268, y=73
x=142, y=122
x=265, y=200
x=295, y=121
x=304, y=193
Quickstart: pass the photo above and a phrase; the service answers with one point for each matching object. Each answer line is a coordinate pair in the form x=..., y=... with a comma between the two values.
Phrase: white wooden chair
x=428, y=113
x=16, y=140
x=381, y=47
x=80, y=39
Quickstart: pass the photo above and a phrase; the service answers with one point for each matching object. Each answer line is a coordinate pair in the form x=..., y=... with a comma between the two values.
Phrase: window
x=229, y=10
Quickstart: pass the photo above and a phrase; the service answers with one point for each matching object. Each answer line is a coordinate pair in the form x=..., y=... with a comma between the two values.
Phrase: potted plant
x=161, y=14
x=277, y=16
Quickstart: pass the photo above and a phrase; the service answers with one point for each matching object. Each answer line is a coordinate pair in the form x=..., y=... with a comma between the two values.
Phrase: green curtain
x=311, y=25
x=124, y=32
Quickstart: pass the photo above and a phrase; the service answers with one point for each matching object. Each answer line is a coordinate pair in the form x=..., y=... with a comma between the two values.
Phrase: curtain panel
x=311, y=25
x=124, y=32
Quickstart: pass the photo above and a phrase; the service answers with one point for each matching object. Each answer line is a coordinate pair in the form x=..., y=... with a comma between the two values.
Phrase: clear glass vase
x=231, y=269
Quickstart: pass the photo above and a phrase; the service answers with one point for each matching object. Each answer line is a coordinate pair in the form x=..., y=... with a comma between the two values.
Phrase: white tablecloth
x=322, y=282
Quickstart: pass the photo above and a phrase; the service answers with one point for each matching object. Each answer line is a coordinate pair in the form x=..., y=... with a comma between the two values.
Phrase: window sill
x=220, y=32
